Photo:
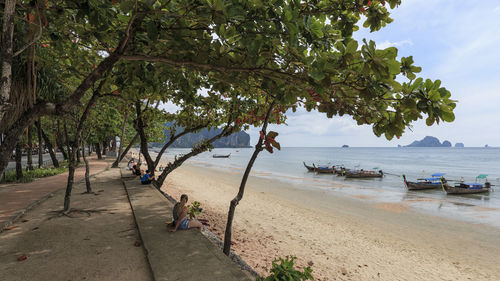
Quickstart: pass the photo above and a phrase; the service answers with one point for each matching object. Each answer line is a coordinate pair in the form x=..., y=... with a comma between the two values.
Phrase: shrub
x=29, y=176
x=194, y=210
x=284, y=270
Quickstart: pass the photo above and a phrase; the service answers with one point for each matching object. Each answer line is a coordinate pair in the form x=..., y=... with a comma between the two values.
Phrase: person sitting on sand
x=147, y=178
x=180, y=216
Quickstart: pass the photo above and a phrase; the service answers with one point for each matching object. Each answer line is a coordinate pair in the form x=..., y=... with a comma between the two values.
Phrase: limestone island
x=430, y=141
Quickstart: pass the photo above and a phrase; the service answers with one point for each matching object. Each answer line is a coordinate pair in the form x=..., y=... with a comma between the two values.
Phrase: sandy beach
x=340, y=237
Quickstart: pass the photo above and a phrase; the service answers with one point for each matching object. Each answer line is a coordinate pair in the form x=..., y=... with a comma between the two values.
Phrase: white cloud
x=496, y=10
x=387, y=44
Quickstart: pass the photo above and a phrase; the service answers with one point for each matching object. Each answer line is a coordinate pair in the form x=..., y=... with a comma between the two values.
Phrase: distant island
x=430, y=141
x=345, y=145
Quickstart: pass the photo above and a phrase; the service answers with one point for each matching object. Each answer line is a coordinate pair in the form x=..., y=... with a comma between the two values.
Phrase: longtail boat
x=221, y=156
x=324, y=169
x=364, y=174
x=433, y=182
x=468, y=188
x=309, y=168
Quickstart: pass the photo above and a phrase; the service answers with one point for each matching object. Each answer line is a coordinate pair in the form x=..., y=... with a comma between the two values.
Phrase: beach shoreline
x=342, y=238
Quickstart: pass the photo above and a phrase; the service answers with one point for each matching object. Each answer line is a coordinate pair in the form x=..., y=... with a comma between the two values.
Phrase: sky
x=457, y=42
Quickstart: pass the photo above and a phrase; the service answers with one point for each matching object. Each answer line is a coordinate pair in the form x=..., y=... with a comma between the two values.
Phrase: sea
x=466, y=164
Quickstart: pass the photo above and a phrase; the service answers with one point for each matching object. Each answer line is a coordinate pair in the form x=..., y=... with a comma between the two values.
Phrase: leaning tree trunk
x=119, y=154
x=236, y=200
x=195, y=151
x=40, y=141
x=120, y=158
x=87, y=170
x=98, y=150
x=144, y=141
x=53, y=156
x=19, y=165
x=29, y=163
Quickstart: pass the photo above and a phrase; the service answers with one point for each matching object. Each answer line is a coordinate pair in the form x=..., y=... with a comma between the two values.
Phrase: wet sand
x=343, y=238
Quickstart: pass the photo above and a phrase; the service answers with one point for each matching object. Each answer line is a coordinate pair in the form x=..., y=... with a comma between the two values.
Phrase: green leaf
x=152, y=30
x=351, y=47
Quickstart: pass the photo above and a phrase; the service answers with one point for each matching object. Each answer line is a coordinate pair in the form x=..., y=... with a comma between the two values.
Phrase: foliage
x=193, y=210
x=284, y=270
x=31, y=175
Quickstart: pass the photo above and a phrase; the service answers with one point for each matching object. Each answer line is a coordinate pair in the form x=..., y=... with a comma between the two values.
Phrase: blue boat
x=434, y=182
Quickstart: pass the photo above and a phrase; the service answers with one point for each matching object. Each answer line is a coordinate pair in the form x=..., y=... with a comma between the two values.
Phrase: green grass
x=29, y=176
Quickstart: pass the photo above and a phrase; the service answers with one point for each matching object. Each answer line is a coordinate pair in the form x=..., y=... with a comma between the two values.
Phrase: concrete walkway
x=15, y=197
x=181, y=255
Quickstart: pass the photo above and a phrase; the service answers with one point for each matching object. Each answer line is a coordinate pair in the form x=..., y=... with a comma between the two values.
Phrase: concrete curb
x=135, y=221
x=33, y=204
x=217, y=242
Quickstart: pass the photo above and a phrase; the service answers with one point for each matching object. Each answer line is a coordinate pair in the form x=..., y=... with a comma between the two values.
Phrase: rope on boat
x=386, y=173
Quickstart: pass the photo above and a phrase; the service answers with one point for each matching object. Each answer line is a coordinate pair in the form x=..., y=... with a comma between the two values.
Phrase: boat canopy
x=482, y=176
x=432, y=179
x=437, y=175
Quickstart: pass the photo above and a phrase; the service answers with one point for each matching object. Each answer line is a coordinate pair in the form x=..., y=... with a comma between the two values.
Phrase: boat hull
x=421, y=186
x=362, y=175
x=462, y=190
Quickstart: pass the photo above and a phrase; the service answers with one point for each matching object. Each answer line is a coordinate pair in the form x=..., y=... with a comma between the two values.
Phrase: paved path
x=101, y=245
x=181, y=255
x=14, y=197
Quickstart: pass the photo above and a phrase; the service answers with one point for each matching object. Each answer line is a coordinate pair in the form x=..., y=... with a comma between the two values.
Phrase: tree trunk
x=71, y=177
x=40, y=143
x=29, y=163
x=87, y=170
x=122, y=141
x=98, y=150
x=172, y=139
x=104, y=148
x=195, y=151
x=6, y=56
x=71, y=170
x=60, y=141
x=19, y=165
x=120, y=158
x=241, y=191
x=78, y=155
x=144, y=141
x=53, y=156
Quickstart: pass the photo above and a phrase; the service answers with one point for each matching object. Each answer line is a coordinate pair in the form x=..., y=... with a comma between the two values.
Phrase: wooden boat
x=221, y=156
x=469, y=188
x=324, y=169
x=434, y=182
x=364, y=174
x=309, y=168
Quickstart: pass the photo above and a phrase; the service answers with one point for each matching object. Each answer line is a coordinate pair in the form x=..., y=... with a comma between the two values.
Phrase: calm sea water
x=286, y=165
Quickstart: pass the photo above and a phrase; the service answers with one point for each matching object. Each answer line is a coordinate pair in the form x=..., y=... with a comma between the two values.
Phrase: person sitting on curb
x=181, y=221
x=147, y=178
x=136, y=169
x=131, y=164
